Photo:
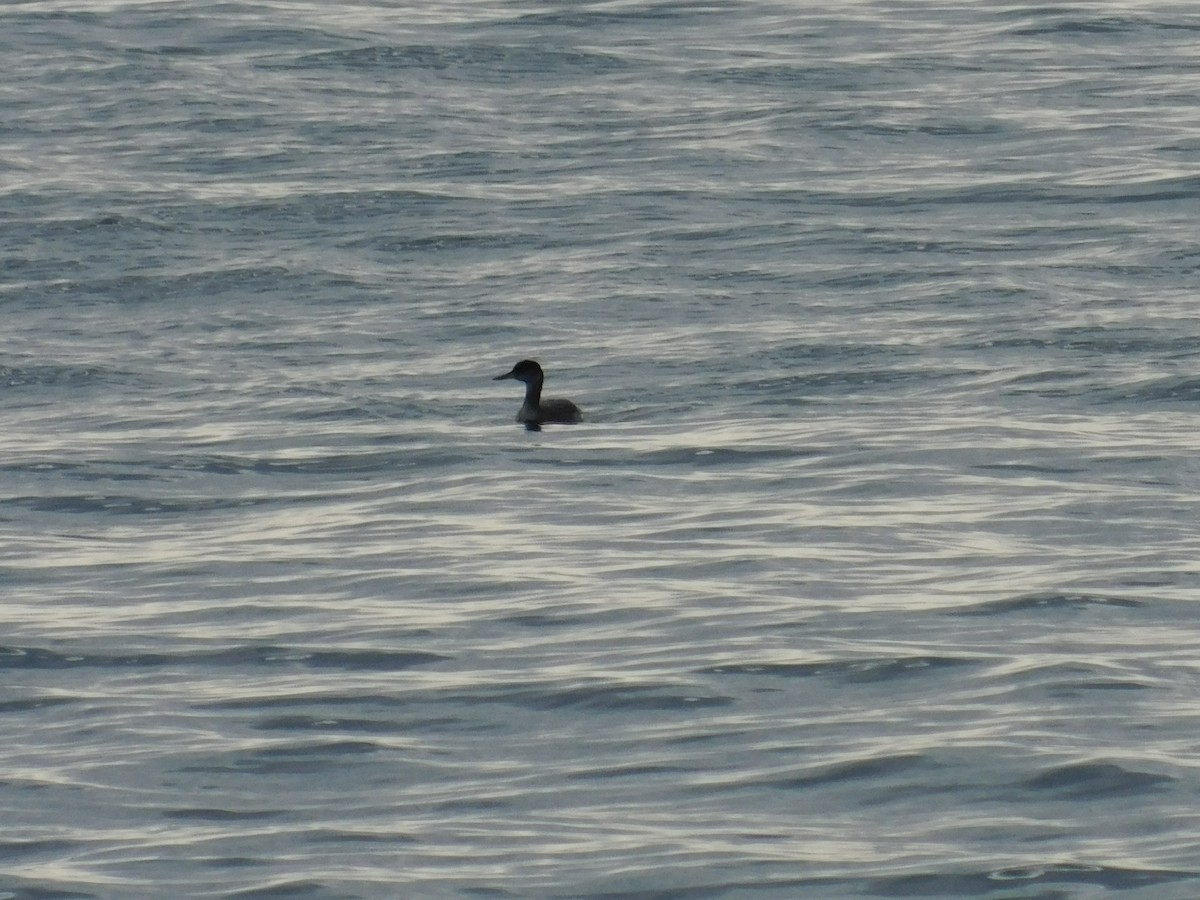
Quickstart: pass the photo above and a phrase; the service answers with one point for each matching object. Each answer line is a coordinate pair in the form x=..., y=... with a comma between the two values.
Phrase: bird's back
x=558, y=410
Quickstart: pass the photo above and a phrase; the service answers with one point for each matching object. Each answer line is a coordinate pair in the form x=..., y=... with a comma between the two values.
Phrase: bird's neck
x=533, y=400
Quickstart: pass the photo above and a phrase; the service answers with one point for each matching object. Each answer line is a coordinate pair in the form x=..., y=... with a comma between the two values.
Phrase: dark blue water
x=871, y=572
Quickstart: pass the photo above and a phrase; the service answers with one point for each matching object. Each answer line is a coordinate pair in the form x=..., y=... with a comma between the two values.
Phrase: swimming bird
x=535, y=411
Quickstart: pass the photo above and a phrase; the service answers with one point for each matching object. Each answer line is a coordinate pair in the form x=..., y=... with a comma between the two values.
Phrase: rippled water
x=870, y=573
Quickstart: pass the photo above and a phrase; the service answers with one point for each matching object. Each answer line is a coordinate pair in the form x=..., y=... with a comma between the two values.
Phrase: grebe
x=535, y=411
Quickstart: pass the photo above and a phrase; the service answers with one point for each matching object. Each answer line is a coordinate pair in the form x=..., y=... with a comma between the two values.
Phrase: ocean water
x=872, y=572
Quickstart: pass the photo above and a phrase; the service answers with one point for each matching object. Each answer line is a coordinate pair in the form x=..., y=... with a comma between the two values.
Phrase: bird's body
x=535, y=411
